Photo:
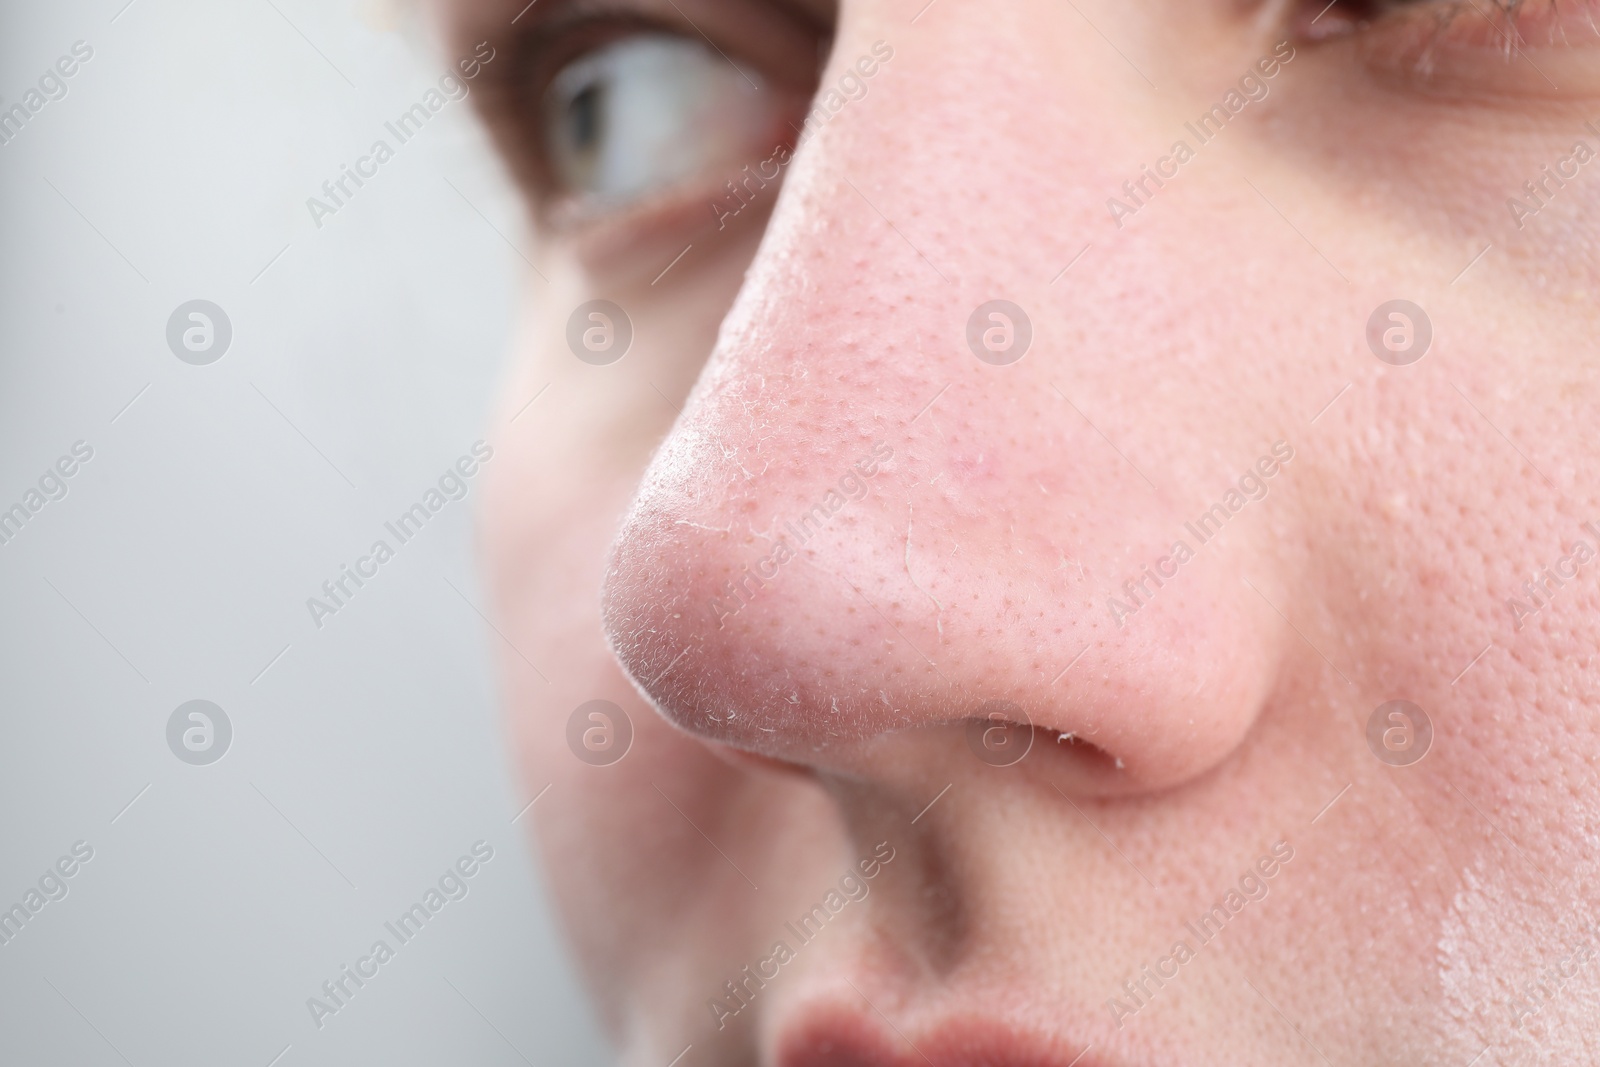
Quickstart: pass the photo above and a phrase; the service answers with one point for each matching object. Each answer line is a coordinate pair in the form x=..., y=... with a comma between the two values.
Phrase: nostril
x=1090, y=767
x=1002, y=734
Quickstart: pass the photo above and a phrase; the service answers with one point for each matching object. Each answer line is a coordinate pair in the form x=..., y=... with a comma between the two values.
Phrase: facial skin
x=1187, y=736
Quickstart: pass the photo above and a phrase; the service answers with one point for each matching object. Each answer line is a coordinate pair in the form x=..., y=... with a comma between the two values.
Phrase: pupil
x=583, y=113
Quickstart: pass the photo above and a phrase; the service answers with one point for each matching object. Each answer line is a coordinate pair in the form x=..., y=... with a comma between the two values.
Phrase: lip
x=836, y=1033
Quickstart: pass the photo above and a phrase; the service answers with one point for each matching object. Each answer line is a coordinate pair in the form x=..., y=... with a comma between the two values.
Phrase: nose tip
x=726, y=599
x=795, y=597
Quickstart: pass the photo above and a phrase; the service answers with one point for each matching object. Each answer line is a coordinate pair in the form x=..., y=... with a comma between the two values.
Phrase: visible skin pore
x=776, y=746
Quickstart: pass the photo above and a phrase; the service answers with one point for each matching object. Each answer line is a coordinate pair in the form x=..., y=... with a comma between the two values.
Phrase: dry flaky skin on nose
x=818, y=555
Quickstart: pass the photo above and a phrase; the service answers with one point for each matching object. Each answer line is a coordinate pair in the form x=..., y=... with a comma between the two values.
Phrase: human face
x=840, y=556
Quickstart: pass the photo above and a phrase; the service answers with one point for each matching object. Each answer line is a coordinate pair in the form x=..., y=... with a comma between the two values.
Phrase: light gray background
x=368, y=756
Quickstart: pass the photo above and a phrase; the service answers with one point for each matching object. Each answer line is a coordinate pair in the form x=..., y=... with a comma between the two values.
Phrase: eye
x=642, y=114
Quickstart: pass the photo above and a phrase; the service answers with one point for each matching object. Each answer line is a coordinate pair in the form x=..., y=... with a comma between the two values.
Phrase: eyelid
x=1450, y=48
x=758, y=32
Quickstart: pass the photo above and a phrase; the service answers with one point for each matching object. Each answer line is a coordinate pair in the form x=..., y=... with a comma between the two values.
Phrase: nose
x=870, y=520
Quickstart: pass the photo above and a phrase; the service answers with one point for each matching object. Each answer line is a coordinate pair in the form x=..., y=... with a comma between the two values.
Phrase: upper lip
x=835, y=1033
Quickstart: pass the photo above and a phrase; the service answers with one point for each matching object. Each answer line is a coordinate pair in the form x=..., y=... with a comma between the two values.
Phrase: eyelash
x=1447, y=45
x=1507, y=15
